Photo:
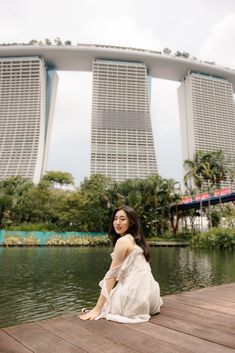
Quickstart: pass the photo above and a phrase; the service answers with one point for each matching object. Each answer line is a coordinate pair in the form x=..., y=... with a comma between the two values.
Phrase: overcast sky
x=204, y=28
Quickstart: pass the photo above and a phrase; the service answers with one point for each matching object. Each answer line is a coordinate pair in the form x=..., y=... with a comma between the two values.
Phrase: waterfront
x=41, y=282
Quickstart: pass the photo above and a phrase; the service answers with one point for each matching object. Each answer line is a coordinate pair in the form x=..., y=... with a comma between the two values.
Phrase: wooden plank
x=10, y=345
x=214, y=296
x=141, y=342
x=210, y=318
x=69, y=328
x=39, y=340
x=226, y=294
x=226, y=290
x=189, y=322
x=179, y=339
x=201, y=303
x=190, y=307
x=197, y=328
x=230, y=297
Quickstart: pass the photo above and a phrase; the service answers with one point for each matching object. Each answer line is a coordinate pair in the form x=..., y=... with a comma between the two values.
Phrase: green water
x=38, y=283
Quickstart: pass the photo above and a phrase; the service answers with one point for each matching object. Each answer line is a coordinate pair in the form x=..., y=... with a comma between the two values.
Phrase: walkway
x=201, y=321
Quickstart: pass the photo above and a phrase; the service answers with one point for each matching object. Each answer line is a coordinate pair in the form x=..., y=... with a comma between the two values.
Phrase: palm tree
x=158, y=198
x=194, y=176
x=221, y=171
x=210, y=168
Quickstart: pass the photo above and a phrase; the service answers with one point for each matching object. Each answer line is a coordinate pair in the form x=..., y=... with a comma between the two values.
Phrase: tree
x=57, y=177
x=158, y=198
x=47, y=41
x=95, y=212
x=167, y=51
x=194, y=176
x=33, y=42
x=58, y=41
x=221, y=168
x=12, y=191
x=178, y=53
x=207, y=168
x=185, y=55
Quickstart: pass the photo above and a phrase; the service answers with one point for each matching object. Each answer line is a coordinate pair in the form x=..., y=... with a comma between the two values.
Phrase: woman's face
x=121, y=222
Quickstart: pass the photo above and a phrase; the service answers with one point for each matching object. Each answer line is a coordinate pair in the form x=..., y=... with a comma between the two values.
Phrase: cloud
x=122, y=31
x=219, y=46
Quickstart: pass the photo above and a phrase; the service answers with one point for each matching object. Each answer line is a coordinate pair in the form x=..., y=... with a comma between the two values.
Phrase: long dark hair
x=134, y=229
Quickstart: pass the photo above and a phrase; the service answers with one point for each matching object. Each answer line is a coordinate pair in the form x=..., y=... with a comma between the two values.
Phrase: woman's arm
x=121, y=248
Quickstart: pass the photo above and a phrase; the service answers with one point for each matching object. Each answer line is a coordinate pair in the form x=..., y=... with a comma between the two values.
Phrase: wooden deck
x=201, y=321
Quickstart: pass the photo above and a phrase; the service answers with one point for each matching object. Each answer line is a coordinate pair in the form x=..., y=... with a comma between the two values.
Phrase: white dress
x=136, y=295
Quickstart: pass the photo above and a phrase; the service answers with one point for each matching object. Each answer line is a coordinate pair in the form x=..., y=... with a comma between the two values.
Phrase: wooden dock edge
x=199, y=321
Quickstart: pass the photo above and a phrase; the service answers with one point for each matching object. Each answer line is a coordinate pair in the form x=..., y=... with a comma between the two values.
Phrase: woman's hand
x=91, y=315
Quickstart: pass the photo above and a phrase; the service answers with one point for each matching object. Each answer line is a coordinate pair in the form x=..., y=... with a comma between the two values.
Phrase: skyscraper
x=122, y=144
x=27, y=96
x=207, y=115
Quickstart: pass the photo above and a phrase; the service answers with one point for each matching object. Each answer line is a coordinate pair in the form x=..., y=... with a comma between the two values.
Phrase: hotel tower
x=27, y=97
x=122, y=144
x=207, y=115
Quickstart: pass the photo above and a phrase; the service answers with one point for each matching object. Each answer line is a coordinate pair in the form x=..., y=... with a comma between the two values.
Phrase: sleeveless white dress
x=136, y=295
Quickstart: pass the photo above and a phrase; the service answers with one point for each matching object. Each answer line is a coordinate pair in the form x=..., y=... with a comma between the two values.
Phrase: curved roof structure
x=80, y=58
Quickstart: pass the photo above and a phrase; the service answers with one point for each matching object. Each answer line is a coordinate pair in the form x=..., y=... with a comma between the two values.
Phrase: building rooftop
x=80, y=58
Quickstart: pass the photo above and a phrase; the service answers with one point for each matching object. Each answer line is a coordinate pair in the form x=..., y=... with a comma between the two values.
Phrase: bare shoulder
x=123, y=246
x=124, y=241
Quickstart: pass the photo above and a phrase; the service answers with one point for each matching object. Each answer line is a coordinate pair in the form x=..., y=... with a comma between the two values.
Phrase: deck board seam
x=114, y=341
x=129, y=345
x=17, y=340
x=199, y=338
x=190, y=321
x=194, y=335
x=62, y=338
x=201, y=307
x=173, y=345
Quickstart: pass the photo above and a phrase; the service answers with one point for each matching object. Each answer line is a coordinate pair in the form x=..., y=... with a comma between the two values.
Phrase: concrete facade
x=121, y=124
x=27, y=94
x=207, y=115
x=122, y=144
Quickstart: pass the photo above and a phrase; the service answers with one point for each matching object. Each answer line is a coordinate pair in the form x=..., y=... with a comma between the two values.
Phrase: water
x=38, y=283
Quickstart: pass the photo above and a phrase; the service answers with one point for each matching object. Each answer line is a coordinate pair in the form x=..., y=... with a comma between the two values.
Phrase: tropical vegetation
x=56, y=204
x=206, y=171
x=48, y=206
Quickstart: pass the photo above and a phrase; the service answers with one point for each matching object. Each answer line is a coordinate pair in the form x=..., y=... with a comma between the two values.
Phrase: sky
x=203, y=28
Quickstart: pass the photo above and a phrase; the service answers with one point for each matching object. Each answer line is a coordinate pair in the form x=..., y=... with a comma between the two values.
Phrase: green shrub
x=186, y=234
x=215, y=238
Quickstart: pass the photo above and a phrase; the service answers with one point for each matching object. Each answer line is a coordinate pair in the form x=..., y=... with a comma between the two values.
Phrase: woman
x=136, y=295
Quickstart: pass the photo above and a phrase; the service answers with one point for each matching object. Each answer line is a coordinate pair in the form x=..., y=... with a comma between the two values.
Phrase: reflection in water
x=38, y=283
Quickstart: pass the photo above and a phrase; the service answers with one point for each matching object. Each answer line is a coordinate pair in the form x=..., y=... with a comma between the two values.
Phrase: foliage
x=57, y=177
x=33, y=227
x=207, y=169
x=78, y=241
x=25, y=206
x=228, y=216
x=95, y=213
x=215, y=238
x=215, y=217
x=18, y=241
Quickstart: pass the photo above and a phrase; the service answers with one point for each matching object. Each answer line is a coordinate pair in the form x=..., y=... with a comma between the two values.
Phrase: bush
x=78, y=241
x=215, y=238
x=186, y=234
x=12, y=240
